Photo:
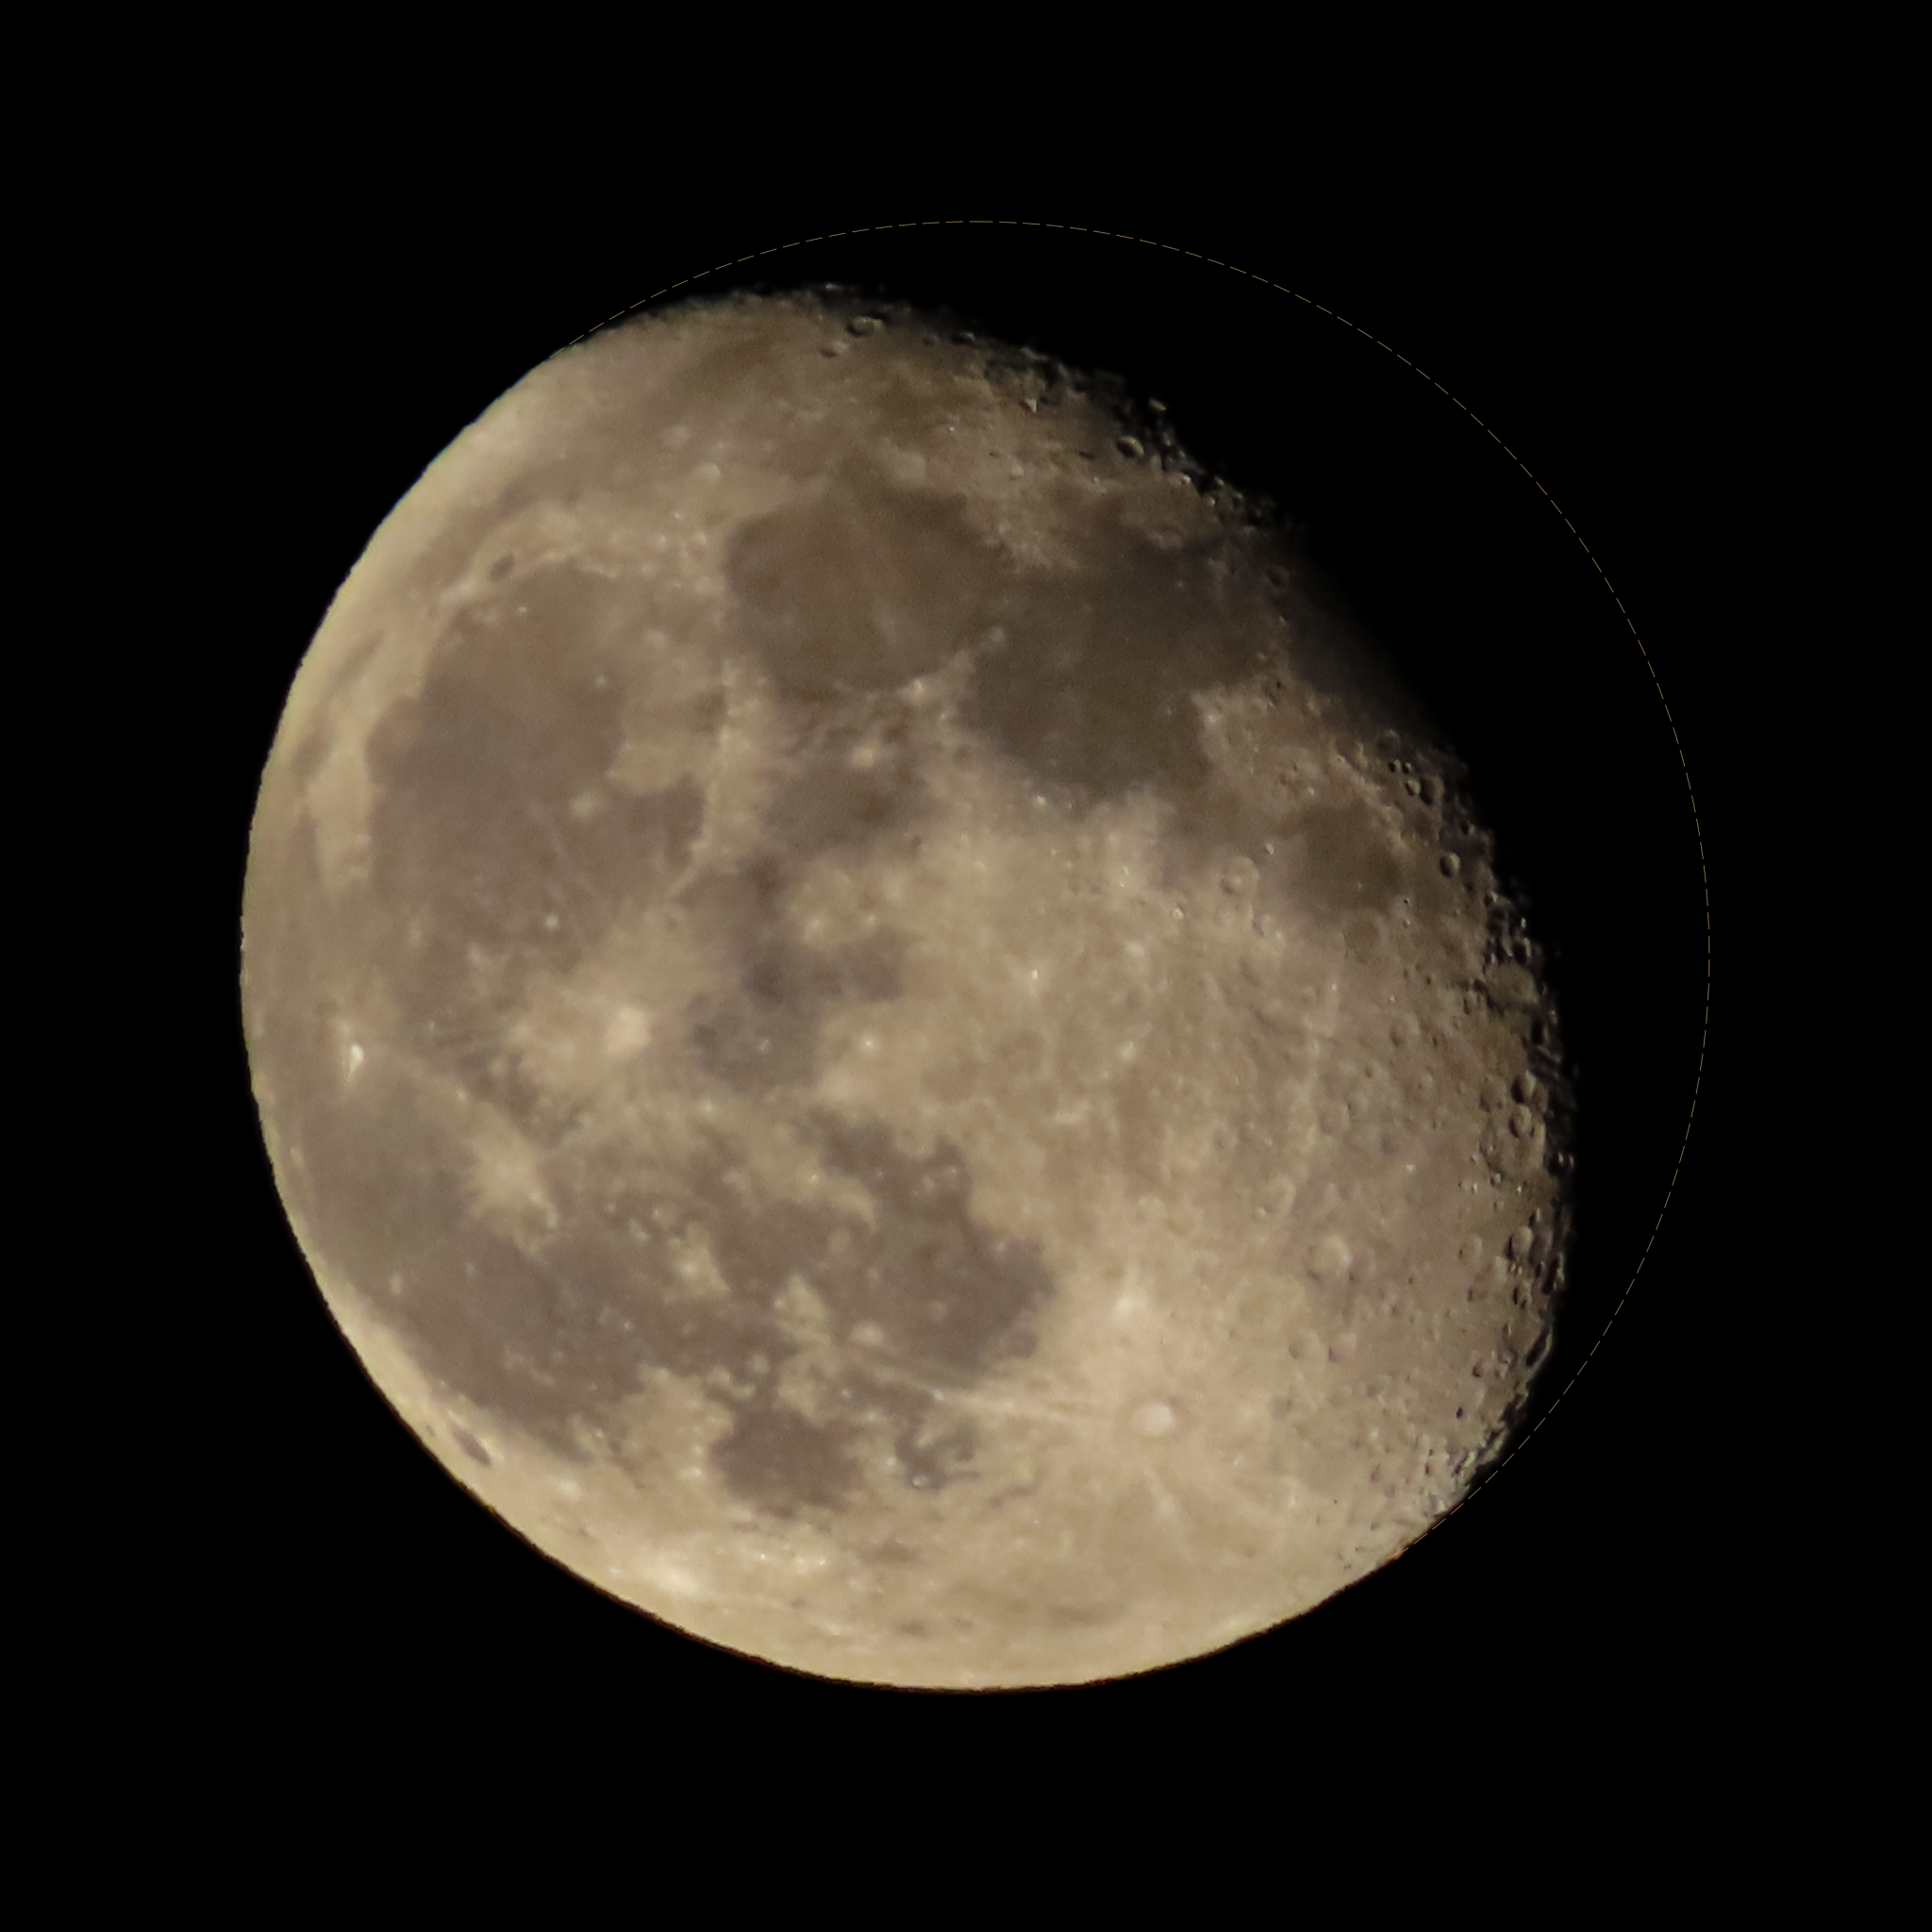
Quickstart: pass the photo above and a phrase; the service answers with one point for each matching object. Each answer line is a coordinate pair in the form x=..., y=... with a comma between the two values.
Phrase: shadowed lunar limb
x=869, y=1036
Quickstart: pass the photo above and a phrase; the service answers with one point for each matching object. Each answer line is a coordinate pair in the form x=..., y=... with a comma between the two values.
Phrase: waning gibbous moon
x=877, y=1026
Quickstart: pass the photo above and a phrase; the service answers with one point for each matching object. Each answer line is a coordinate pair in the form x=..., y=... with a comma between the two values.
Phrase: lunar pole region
x=881, y=1027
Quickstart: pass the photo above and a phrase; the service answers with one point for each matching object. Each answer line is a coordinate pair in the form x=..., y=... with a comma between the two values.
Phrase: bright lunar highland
x=877, y=1026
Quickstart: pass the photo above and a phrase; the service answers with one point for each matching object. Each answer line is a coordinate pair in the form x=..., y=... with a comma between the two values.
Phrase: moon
x=879, y=1025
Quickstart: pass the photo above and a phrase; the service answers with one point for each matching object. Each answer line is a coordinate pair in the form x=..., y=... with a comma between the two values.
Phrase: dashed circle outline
x=1489, y=1475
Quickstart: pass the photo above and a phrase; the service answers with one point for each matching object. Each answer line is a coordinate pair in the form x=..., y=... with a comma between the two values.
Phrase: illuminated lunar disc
x=866, y=1034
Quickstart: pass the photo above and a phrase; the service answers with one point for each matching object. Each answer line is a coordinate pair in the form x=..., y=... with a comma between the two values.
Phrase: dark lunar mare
x=484, y=879
x=949, y=1298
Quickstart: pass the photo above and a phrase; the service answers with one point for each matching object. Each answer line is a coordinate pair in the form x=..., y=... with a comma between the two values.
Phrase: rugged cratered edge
x=876, y=1030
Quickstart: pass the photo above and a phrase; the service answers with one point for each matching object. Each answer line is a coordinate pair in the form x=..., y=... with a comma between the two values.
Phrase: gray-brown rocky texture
x=868, y=1034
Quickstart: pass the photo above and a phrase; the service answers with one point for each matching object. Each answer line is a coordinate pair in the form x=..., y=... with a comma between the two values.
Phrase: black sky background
x=324, y=1578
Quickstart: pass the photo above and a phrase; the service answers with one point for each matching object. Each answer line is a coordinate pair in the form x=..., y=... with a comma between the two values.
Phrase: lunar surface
x=877, y=1028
